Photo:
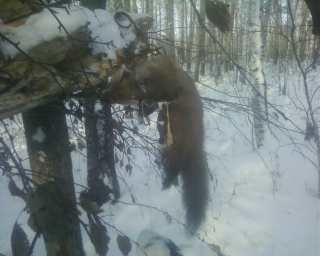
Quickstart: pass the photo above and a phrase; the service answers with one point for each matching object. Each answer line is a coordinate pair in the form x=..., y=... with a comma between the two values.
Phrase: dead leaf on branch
x=4, y=156
x=168, y=217
x=89, y=206
x=6, y=166
x=116, y=158
x=118, y=126
x=31, y=223
x=19, y=241
x=129, y=169
x=135, y=130
x=124, y=244
x=14, y=190
x=99, y=236
x=73, y=147
x=81, y=146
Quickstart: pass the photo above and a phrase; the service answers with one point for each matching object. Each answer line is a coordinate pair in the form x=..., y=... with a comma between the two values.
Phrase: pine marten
x=181, y=129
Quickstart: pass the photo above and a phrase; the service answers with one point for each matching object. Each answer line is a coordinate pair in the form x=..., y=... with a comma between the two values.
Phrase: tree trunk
x=100, y=152
x=255, y=67
x=94, y=4
x=303, y=32
x=199, y=46
x=126, y=4
x=52, y=204
x=170, y=29
x=229, y=42
x=191, y=39
x=266, y=18
x=146, y=6
x=276, y=42
x=217, y=57
x=133, y=5
x=107, y=145
x=182, y=34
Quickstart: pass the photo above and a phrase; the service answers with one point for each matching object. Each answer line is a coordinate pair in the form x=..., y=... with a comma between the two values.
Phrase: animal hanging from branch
x=218, y=14
x=180, y=125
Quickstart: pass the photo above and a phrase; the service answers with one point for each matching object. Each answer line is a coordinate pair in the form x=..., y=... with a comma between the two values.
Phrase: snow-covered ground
x=262, y=202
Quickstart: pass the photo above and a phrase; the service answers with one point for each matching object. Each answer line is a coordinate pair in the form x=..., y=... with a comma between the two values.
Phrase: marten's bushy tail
x=195, y=189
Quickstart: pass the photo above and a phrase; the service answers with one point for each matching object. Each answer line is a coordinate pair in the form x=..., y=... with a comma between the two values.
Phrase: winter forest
x=159, y=128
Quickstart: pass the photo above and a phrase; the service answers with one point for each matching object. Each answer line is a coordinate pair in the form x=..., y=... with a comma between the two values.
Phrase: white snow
x=151, y=243
x=44, y=27
x=98, y=106
x=262, y=203
x=39, y=135
x=42, y=156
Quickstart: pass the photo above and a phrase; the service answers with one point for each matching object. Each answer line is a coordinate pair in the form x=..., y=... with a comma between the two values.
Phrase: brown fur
x=123, y=88
x=218, y=14
x=163, y=81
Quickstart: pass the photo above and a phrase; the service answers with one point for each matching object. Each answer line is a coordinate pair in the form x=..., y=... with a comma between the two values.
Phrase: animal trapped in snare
x=180, y=125
x=217, y=13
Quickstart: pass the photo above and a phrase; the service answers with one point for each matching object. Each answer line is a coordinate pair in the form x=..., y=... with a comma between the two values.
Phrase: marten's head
x=123, y=88
x=158, y=79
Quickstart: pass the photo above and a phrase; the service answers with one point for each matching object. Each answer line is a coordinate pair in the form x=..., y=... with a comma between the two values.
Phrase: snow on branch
x=62, y=50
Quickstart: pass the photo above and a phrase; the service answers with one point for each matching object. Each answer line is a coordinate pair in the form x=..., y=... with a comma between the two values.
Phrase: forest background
x=260, y=89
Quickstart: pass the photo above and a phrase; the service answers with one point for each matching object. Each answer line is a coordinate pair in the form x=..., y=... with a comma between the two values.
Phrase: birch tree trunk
x=256, y=69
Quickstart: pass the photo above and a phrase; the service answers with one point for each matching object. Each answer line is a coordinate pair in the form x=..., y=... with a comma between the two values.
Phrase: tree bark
x=52, y=204
x=170, y=28
x=100, y=151
x=190, y=39
x=200, y=46
x=303, y=33
x=182, y=34
x=256, y=69
x=94, y=4
x=133, y=6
